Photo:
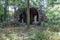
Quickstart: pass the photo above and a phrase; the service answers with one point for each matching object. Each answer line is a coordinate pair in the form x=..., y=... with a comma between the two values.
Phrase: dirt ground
x=20, y=31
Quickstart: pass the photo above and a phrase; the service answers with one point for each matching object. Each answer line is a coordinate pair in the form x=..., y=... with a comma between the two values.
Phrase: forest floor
x=20, y=31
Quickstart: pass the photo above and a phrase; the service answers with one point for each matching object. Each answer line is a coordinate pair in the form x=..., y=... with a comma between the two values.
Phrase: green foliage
x=55, y=28
x=34, y=3
x=1, y=13
x=53, y=14
x=42, y=35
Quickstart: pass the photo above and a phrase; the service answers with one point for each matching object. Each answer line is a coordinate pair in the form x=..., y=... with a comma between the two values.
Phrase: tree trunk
x=28, y=14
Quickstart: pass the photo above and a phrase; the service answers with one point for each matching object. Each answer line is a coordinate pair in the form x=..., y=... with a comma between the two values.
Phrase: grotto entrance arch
x=36, y=16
